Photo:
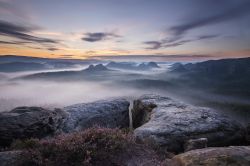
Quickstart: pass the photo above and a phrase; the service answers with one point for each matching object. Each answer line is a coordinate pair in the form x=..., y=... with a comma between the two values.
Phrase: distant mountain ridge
x=21, y=66
x=99, y=67
x=133, y=66
x=12, y=63
x=223, y=67
x=227, y=76
x=92, y=70
x=17, y=58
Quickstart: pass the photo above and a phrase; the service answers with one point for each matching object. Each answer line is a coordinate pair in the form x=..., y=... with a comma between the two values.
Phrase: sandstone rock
x=195, y=144
x=9, y=158
x=104, y=113
x=27, y=122
x=217, y=156
x=173, y=123
x=140, y=113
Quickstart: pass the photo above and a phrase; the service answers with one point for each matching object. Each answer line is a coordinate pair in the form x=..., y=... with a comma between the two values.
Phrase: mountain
x=121, y=65
x=15, y=58
x=93, y=71
x=226, y=76
x=132, y=66
x=96, y=68
x=21, y=66
x=153, y=65
x=147, y=66
x=13, y=63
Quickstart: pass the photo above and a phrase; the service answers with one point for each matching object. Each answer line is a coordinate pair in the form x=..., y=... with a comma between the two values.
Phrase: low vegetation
x=94, y=146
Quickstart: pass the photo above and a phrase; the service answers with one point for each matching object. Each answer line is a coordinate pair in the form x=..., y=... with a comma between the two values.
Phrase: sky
x=110, y=29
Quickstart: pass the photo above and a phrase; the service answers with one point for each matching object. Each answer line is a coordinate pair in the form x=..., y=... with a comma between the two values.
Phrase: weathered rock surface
x=27, y=122
x=9, y=158
x=104, y=113
x=173, y=123
x=218, y=156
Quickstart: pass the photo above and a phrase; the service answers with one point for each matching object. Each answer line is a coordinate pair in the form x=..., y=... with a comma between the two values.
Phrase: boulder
x=173, y=123
x=223, y=156
x=29, y=122
x=103, y=113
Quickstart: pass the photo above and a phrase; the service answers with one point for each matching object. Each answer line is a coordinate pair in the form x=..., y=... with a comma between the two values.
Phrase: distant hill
x=96, y=68
x=121, y=65
x=148, y=66
x=13, y=63
x=132, y=66
x=21, y=66
x=228, y=76
x=87, y=73
x=17, y=58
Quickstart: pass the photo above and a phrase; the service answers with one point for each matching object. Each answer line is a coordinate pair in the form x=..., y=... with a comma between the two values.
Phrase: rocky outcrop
x=104, y=113
x=173, y=123
x=27, y=122
x=228, y=156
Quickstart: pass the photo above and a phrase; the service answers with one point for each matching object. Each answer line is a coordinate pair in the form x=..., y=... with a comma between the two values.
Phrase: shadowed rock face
x=173, y=123
x=195, y=144
x=141, y=113
x=104, y=113
x=27, y=122
x=230, y=156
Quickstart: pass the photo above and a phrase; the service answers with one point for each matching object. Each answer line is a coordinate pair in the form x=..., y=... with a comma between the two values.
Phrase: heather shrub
x=95, y=146
x=25, y=144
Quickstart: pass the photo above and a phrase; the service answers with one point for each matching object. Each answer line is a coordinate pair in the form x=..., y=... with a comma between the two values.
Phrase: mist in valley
x=60, y=90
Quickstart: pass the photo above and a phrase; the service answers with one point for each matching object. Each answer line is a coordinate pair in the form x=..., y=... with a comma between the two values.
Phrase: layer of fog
x=54, y=94
x=51, y=94
x=23, y=73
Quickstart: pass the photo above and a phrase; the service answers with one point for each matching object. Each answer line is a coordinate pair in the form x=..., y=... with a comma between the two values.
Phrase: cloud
x=163, y=44
x=225, y=11
x=152, y=57
x=14, y=42
x=153, y=44
x=67, y=56
x=52, y=49
x=234, y=12
x=22, y=32
x=90, y=52
x=182, y=42
x=207, y=37
x=99, y=36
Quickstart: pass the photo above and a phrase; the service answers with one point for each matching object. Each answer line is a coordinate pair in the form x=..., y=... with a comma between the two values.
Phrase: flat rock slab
x=29, y=122
x=10, y=158
x=223, y=156
x=173, y=123
x=103, y=113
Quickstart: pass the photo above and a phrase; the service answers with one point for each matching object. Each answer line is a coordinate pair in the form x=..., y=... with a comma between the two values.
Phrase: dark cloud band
x=99, y=36
x=22, y=32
